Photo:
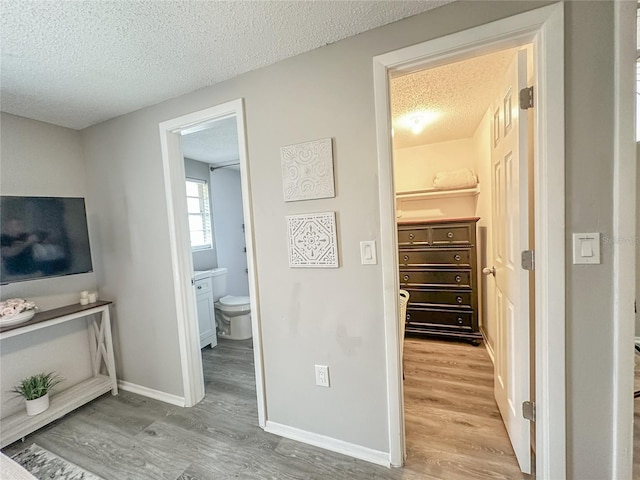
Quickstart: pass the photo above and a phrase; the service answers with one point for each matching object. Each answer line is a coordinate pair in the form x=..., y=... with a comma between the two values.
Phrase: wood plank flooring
x=453, y=428
x=636, y=420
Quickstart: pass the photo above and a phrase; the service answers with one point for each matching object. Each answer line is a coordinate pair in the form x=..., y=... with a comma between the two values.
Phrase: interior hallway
x=133, y=437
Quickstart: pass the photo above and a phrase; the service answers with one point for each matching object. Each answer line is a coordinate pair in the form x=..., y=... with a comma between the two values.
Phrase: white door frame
x=544, y=28
x=181, y=260
x=624, y=236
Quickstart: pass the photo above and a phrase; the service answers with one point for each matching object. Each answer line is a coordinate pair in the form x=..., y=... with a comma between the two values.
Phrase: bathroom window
x=199, y=214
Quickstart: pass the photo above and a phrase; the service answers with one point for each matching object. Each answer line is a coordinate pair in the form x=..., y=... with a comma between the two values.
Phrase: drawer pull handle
x=459, y=299
x=457, y=258
x=411, y=236
x=406, y=258
x=449, y=234
x=460, y=321
x=199, y=287
x=405, y=278
x=458, y=278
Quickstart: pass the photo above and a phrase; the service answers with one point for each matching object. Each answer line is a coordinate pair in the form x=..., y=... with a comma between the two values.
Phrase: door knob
x=489, y=271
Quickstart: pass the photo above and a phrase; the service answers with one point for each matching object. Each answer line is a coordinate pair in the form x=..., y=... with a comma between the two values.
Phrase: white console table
x=18, y=425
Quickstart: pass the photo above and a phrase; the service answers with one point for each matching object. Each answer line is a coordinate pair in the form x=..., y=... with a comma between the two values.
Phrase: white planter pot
x=39, y=405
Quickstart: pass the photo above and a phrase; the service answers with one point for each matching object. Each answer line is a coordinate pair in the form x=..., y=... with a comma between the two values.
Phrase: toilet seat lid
x=231, y=301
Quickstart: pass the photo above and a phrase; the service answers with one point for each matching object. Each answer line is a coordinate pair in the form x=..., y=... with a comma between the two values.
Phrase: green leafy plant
x=37, y=385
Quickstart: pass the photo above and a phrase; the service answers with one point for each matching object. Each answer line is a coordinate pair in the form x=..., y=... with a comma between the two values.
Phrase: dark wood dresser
x=438, y=267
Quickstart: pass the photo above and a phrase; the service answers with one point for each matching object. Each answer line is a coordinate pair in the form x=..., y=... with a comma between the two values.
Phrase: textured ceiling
x=216, y=145
x=457, y=94
x=77, y=63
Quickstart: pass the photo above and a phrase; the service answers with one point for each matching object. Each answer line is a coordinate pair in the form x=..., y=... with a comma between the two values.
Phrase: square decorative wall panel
x=307, y=170
x=312, y=240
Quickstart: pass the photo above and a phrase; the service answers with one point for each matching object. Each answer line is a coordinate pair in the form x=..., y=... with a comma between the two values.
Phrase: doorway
x=544, y=29
x=461, y=164
x=171, y=132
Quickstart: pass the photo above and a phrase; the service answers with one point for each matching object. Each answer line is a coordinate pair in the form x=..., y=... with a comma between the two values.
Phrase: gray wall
x=39, y=159
x=333, y=316
x=202, y=259
x=228, y=220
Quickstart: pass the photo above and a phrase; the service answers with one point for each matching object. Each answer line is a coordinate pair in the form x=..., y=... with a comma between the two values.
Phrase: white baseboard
x=489, y=348
x=637, y=340
x=328, y=443
x=151, y=393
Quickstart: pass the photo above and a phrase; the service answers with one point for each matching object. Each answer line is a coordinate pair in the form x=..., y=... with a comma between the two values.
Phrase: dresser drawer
x=435, y=277
x=439, y=256
x=448, y=298
x=440, y=318
x=413, y=236
x=451, y=234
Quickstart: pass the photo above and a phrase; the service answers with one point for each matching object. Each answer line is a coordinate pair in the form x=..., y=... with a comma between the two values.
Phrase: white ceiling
x=459, y=92
x=216, y=145
x=77, y=63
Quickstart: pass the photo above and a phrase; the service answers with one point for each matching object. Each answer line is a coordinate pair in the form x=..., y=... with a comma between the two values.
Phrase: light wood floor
x=636, y=421
x=453, y=426
x=453, y=429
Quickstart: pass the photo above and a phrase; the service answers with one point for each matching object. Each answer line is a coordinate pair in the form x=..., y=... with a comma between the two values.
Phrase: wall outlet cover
x=322, y=375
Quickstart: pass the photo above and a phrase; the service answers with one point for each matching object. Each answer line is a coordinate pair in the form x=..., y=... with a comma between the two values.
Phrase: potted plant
x=35, y=390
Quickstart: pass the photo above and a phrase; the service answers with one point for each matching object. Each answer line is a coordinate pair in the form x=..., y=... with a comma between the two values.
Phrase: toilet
x=233, y=314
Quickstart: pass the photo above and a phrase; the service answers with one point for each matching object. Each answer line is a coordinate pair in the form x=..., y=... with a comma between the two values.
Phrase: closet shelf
x=430, y=193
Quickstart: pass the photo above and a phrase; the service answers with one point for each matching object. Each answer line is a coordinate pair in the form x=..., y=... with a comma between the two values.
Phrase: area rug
x=44, y=464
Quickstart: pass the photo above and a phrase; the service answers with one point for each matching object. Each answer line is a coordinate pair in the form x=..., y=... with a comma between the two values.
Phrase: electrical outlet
x=322, y=375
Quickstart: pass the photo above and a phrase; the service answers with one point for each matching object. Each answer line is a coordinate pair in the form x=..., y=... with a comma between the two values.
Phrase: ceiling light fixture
x=417, y=124
x=417, y=121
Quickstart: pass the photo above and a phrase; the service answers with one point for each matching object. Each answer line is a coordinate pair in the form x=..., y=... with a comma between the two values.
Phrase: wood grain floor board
x=453, y=426
x=108, y=452
x=133, y=437
x=636, y=421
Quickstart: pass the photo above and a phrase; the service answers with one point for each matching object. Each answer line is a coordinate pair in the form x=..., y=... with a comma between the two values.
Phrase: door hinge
x=529, y=410
x=526, y=98
x=528, y=260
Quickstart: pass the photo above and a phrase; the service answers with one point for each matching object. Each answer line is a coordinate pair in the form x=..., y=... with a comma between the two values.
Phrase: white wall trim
x=151, y=393
x=545, y=27
x=489, y=348
x=623, y=236
x=181, y=260
x=328, y=443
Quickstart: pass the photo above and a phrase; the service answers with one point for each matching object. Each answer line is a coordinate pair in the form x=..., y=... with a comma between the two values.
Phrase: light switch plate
x=586, y=248
x=368, y=254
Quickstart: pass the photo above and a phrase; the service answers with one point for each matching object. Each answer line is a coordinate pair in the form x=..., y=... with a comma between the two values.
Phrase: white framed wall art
x=312, y=240
x=307, y=170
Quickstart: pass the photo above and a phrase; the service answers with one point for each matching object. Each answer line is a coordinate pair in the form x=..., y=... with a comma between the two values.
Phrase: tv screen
x=43, y=237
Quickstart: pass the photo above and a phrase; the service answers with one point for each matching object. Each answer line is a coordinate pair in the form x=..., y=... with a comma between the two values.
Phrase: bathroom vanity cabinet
x=438, y=267
x=206, y=312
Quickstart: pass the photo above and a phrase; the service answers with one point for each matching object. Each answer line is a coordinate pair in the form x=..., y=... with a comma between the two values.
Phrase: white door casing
x=545, y=28
x=173, y=166
x=509, y=183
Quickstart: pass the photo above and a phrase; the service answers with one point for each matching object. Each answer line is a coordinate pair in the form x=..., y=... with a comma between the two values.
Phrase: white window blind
x=199, y=214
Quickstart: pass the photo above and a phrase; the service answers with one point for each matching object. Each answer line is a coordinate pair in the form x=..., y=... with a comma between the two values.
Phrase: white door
x=511, y=236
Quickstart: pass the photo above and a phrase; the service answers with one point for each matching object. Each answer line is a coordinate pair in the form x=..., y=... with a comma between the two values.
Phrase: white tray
x=17, y=319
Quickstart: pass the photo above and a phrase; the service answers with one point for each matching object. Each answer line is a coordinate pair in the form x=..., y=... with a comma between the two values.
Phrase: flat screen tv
x=43, y=237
